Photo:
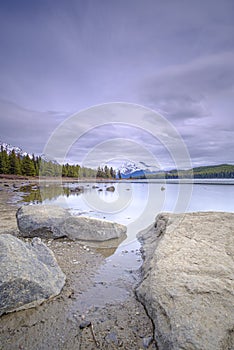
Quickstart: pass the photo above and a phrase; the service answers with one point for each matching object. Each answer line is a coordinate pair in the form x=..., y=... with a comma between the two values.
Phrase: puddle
x=113, y=282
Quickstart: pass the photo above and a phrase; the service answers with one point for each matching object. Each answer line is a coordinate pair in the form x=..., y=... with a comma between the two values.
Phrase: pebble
x=112, y=338
x=147, y=341
x=85, y=324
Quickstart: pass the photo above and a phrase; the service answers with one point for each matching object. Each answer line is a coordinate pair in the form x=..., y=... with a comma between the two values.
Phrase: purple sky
x=175, y=57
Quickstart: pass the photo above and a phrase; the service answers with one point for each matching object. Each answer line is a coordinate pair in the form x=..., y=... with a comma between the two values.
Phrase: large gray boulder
x=188, y=280
x=29, y=274
x=92, y=229
x=41, y=221
x=54, y=222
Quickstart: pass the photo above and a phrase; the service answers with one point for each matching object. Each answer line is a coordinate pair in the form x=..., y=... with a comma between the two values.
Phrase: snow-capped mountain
x=9, y=148
x=48, y=159
x=128, y=168
x=133, y=169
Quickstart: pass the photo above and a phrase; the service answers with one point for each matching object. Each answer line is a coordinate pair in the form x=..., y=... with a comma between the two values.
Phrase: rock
x=188, y=283
x=54, y=222
x=29, y=274
x=85, y=324
x=41, y=221
x=110, y=189
x=92, y=229
x=79, y=189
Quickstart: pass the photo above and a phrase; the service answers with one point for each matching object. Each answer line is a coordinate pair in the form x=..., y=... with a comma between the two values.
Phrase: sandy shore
x=121, y=323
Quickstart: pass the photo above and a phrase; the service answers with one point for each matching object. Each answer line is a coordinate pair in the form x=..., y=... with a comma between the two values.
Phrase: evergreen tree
x=14, y=164
x=112, y=173
x=99, y=172
x=4, y=162
x=27, y=166
x=106, y=172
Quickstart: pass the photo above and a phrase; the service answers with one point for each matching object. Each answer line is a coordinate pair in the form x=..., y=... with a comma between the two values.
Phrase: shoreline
x=120, y=320
x=181, y=181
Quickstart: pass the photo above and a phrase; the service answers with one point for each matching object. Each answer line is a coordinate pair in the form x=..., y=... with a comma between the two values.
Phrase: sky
x=172, y=60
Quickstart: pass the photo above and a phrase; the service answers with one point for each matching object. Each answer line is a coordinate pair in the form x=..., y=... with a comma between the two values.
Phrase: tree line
x=16, y=164
x=222, y=171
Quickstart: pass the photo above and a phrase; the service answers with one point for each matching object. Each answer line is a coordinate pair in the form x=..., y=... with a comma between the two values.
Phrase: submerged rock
x=79, y=189
x=188, y=282
x=110, y=189
x=54, y=222
x=29, y=274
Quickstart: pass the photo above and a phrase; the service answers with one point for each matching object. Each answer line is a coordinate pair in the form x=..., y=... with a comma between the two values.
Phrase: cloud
x=198, y=99
x=174, y=56
x=27, y=128
x=182, y=91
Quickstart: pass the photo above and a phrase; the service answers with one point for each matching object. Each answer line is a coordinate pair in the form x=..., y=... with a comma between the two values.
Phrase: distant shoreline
x=181, y=181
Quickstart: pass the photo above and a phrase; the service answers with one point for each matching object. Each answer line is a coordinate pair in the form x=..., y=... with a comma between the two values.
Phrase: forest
x=204, y=172
x=16, y=164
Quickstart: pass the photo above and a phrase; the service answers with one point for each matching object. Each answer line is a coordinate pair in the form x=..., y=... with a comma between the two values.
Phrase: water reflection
x=134, y=204
x=38, y=194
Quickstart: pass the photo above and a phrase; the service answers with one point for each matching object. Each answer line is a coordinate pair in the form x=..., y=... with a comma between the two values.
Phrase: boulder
x=47, y=221
x=188, y=280
x=110, y=189
x=29, y=274
x=41, y=221
x=92, y=229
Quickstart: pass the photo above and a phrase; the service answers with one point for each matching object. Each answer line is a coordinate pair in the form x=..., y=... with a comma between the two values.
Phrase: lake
x=136, y=203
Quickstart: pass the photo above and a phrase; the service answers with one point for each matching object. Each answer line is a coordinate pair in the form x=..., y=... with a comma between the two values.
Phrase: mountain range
x=140, y=169
x=9, y=148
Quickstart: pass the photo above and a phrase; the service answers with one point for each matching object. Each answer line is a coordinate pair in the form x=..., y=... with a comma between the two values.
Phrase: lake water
x=136, y=204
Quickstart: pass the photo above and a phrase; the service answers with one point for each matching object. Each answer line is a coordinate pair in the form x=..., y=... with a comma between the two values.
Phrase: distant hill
x=202, y=172
x=210, y=172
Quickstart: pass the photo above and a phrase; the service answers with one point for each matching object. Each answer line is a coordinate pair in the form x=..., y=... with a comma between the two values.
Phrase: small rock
x=110, y=189
x=111, y=338
x=85, y=324
x=147, y=341
x=79, y=189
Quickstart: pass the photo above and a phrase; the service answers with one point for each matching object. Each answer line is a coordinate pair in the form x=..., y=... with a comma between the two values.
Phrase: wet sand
x=90, y=294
